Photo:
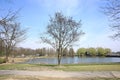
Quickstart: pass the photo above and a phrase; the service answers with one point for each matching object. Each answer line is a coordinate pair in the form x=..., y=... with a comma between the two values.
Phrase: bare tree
x=10, y=32
x=66, y=52
x=71, y=52
x=62, y=32
x=112, y=10
x=1, y=47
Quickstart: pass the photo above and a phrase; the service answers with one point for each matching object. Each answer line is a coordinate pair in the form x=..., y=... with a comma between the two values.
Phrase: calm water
x=74, y=60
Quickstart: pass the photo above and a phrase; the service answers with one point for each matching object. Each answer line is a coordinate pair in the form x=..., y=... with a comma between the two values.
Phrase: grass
x=91, y=67
x=14, y=66
x=16, y=77
x=2, y=60
x=15, y=60
x=70, y=67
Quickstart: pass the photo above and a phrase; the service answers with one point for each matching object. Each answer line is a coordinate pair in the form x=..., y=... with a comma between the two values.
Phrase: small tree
x=81, y=51
x=71, y=52
x=101, y=51
x=65, y=52
x=62, y=32
x=107, y=51
x=92, y=51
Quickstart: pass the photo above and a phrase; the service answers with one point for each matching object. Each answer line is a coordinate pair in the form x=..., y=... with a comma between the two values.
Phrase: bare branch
x=112, y=10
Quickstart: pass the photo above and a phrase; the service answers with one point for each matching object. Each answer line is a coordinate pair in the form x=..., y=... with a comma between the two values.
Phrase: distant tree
x=112, y=10
x=71, y=52
x=66, y=52
x=2, y=45
x=38, y=52
x=92, y=51
x=45, y=52
x=11, y=32
x=81, y=51
x=107, y=51
x=101, y=51
x=51, y=52
x=62, y=32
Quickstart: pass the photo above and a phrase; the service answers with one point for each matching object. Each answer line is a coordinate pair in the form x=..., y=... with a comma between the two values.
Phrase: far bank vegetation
x=50, y=52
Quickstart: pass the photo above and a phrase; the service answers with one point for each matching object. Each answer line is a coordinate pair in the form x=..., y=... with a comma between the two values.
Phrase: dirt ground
x=64, y=74
x=20, y=77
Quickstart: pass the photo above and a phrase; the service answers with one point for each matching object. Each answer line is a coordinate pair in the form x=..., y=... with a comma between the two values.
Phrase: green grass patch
x=15, y=66
x=35, y=67
x=2, y=60
x=66, y=67
x=90, y=68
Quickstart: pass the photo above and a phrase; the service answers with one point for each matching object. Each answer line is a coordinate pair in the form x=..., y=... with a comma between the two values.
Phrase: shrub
x=81, y=51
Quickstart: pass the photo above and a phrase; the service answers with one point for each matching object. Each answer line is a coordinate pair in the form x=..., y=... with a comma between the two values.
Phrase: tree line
x=50, y=52
x=93, y=51
x=27, y=52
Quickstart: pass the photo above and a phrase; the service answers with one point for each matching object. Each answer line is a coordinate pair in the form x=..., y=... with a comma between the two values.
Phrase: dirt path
x=63, y=74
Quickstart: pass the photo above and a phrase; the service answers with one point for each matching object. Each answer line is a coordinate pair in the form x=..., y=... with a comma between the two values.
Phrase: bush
x=81, y=51
x=2, y=60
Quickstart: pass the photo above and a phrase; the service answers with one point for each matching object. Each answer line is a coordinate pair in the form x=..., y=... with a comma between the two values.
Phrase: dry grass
x=95, y=67
x=16, y=60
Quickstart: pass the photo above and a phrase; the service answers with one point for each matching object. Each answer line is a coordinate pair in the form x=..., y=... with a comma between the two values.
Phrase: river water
x=74, y=60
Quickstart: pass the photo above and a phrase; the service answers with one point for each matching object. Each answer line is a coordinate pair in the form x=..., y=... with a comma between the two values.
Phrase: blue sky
x=35, y=14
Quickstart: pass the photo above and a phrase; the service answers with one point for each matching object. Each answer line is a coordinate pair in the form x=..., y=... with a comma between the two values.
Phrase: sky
x=35, y=15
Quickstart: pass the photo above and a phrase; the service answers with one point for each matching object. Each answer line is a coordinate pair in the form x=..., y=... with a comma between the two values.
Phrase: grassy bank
x=91, y=67
x=70, y=67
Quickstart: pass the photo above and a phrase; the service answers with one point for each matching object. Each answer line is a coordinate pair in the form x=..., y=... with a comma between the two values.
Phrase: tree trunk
x=59, y=59
x=7, y=51
x=6, y=58
x=7, y=55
